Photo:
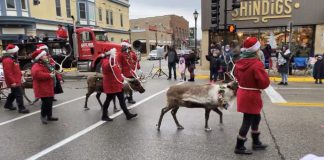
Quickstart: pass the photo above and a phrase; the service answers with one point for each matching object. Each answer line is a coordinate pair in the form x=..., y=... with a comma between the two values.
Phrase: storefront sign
x=264, y=10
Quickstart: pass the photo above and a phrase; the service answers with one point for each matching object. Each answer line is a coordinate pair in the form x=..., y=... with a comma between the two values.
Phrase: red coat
x=126, y=63
x=110, y=83
x=12, y=72
x=250, y=73
x=136, y=62
x=43, y=83
x=61, y=33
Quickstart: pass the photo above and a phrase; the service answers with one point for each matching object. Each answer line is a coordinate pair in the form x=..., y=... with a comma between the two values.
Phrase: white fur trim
x=42, y=47
x=14, y=50
x=43, y=53
x=252, y=49
x=125, y=44
x=111, y=51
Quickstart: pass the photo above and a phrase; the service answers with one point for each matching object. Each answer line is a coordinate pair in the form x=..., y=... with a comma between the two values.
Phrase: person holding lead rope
x=113, y=84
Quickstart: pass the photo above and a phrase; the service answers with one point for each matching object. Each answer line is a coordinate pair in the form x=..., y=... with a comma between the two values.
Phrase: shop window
x=58, y=8
x=107, y=17
x=68, y=8
x=23, y=5
x=11, y=4
x=82, y=11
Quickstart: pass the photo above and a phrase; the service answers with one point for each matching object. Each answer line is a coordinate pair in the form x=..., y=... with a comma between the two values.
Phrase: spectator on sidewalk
x=283, y=64
x=318, y=71
x=172, y=60
x=191, y=65
x=214, y=63
x=182, y=68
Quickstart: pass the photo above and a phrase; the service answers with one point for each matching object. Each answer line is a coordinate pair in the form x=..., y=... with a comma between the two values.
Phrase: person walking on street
x=215, y=63
x=127, y=62
x=283, y=64
x=318, y=71
x=172, y=60
x=113, y=84
x=252, y=78
x=12, y=75
x=191, y=65
x=43, y=74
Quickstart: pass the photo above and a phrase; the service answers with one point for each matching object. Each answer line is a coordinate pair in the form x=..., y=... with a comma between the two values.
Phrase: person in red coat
x=59, y=79
x=113, y=84
x=252, y=78
x=43, y=84
x=12, y=75
x=127, y=64
x=61, y=33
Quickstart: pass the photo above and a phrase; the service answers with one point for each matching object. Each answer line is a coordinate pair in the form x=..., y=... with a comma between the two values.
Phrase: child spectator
x=182, y=68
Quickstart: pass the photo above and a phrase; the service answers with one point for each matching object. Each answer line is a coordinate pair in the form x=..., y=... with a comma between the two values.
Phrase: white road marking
x=30, y=114
x=274, y=96
x=90, y=128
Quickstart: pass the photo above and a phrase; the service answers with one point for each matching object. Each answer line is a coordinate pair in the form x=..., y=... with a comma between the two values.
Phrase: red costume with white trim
x=11, y=69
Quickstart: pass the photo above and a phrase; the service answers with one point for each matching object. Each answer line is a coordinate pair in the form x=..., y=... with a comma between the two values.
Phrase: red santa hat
x=251, y=44
x=126, y=43
x=36, y=55
x=41, y=47
x=11, y=48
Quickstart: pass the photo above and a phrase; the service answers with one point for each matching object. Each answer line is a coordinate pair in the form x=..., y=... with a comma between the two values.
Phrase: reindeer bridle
x=220, y=97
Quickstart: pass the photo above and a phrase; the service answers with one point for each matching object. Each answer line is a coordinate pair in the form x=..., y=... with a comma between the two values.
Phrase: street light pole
x=196, y=16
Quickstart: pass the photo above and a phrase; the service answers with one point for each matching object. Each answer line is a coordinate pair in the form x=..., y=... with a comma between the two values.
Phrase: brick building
x=161, y=30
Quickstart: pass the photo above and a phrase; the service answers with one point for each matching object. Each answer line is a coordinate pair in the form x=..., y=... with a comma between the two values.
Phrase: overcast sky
x=150, y=8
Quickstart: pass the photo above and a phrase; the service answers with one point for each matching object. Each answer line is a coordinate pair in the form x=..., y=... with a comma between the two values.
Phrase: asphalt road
x=291, y=129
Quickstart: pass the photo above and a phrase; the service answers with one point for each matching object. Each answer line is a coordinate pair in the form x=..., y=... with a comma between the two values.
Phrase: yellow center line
x=301, y=104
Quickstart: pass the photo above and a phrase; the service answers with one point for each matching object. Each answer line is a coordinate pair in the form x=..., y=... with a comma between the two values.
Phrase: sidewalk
x=200, y=74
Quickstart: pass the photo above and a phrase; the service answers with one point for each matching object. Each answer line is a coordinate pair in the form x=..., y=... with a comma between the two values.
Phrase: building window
x=68, y=8
x=92, y=12
x=58, y=8
x=121, y=20
x=107, y=16
x=23, y=5
x=100, y=14
x=82, y=10
x=11, y=4
x=111, y=18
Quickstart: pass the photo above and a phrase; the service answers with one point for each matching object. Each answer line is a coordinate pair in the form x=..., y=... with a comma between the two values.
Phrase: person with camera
x=172, y=61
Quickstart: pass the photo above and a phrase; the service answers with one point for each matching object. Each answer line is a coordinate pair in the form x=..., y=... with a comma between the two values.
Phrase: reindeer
x=208, y=96
x=95, y=85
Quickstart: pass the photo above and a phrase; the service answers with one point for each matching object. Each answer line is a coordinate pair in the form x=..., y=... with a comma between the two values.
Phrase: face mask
x=227, y=49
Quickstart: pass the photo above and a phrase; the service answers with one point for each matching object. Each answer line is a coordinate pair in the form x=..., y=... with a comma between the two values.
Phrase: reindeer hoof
x=208, y=129
x=86, y=109
x=180, y=127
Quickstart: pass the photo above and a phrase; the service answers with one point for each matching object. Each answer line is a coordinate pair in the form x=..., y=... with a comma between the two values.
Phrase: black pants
x=250, y=120
x=47, y=107
x=213, y=74
x=16, y=93
x=172, y=66
x=121, y=99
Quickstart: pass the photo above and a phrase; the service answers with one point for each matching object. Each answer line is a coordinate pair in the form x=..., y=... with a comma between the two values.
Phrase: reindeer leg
x=163, y=111
x=86, y=101
x=207, y=112
x=174, y=112
x=220, y=115
x=115, y=106
x=98, y=98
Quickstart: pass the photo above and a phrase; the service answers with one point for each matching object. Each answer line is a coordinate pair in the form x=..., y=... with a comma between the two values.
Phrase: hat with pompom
x=41, y=47
x=11, y=48
x=251, y=44
x=36, y=55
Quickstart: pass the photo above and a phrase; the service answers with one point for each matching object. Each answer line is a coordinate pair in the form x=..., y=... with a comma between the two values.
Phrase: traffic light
x=231, y=28
x=215, y=8
x=236, y=4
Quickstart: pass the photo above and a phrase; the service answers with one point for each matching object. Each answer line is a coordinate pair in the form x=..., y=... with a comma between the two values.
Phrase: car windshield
x=100, y=36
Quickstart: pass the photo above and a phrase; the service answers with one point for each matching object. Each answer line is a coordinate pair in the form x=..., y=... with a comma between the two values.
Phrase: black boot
x=316, y=81
x=257, y=144
x=281, y=83
x=240, y=148
x=130, y=116
x=52, y=118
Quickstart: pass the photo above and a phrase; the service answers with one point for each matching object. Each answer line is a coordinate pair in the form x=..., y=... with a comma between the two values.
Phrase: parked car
x=153, y=55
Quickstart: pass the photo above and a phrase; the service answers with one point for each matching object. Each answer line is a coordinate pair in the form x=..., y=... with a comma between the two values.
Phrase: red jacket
x=61, y=33
x=43, y=83
x=110, y=83
x=126, y=63
x=250, y=73
x=12, y=72
x=136, y=62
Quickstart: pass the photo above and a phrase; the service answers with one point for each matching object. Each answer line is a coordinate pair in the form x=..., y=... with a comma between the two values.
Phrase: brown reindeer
x=208, y=96
x=95, y=85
